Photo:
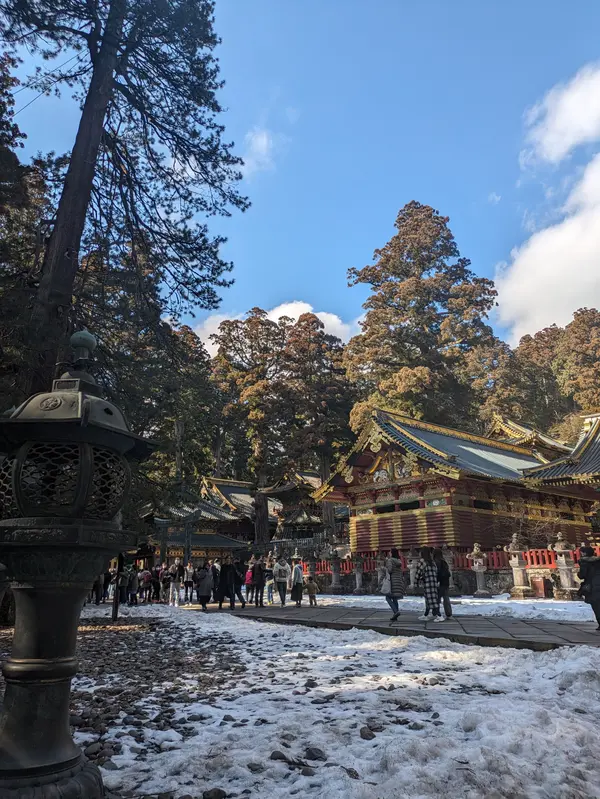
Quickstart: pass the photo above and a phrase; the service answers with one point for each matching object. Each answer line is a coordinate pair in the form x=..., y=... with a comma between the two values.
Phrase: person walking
x=311, y=589
x=176, y=571
x=249, y=585
x=239, y=575
x=133, y=584
x=226, y=584
x=216, y=573
x=204, y=584
x=188, y=583
x=99, y=589
x=258, y=581
x=155, y=583
x=443, y=574
x=397, y=589
x=269, y=581
x=427, y=574
x=589, y=574
x=281, y=575
x=165, y=583
x=296, y=583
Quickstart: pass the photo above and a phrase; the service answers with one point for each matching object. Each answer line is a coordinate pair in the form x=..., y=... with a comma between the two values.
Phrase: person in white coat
x=281, y=575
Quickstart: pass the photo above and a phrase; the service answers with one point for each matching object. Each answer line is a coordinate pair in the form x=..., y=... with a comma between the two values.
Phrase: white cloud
x=205, y=329
x=494, y=198
x=557, y=270
x=259, y=149
x=294, y=309
x=567, y=117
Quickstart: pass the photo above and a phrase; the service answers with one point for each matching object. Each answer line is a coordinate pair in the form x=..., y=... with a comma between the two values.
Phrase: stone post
x=521, y=588
x=336, y=585
x=478, y=565
x=448, y=555
x=312, y=566
x=566, y=566
x=358, y=574
x=413, y=562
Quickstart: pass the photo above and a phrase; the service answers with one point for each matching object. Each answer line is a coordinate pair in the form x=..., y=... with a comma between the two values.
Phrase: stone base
x=337, y=589
x=359, y=592
x=81, y=781
x=567, y=594
x=483, y=593
x=522, y=592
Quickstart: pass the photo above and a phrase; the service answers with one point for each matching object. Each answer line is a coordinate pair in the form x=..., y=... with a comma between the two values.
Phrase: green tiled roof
x=464, y=452
x=582, y=465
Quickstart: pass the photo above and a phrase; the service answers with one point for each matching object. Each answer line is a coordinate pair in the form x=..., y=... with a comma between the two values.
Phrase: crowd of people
x=433, y=574
x=209, y=581
x=268, y=579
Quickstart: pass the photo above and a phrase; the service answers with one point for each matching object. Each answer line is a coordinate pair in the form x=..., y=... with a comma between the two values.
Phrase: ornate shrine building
x=410, y=483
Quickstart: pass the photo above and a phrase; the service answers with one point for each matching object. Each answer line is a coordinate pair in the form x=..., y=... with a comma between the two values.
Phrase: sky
x=344, y=111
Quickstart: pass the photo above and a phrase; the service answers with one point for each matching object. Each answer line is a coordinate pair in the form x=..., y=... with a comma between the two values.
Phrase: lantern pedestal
x=52, y=566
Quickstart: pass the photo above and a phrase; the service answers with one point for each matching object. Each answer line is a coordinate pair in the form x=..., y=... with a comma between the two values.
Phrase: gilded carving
x=348, y=475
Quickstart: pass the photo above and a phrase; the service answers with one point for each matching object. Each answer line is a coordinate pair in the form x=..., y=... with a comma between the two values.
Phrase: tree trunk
x=218, y=453
x=61, y=261
x=261, y=514
x=179, y=427
x=328, y=507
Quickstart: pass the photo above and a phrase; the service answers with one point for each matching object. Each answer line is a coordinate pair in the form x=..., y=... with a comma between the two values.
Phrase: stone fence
x=524, y=573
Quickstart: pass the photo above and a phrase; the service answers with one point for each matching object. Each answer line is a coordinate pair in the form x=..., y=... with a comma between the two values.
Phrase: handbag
x=386, y=585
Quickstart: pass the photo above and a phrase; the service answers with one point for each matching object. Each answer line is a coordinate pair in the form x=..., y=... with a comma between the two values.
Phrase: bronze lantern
x=63, y=482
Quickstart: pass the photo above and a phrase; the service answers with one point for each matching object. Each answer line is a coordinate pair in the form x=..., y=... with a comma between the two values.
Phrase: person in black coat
x=589, y=574
x=258, y=581
x=226, y=586
x=216, y=573
x=443, y=581
x=239, y=577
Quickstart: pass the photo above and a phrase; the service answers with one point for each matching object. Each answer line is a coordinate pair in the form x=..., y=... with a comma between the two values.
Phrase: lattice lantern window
x=64, y=479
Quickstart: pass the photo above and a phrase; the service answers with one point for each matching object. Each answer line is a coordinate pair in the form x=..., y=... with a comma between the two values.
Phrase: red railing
x=540, y=559
x=496, y=559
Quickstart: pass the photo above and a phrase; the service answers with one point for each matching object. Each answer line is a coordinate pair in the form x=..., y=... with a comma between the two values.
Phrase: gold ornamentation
x=348, y=475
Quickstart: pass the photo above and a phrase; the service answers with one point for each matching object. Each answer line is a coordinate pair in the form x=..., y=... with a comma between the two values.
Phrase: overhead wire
x=79, y=56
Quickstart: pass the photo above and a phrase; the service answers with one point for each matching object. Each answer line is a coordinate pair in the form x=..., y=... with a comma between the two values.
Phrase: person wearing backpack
x=443, y=574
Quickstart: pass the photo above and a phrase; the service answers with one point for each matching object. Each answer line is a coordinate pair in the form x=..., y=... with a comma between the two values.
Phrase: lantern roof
x=73, y=411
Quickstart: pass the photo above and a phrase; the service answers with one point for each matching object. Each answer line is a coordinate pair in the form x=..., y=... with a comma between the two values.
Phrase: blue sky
x=346, y=110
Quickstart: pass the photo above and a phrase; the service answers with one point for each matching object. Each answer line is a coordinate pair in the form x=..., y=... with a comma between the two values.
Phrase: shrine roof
x=582, y=465
x=301, y=516
x=206, y=540
x=523, y=435
x=462, y=451
x=292, y=481
x=197, y=509
x=449, y=451
x=236, y=495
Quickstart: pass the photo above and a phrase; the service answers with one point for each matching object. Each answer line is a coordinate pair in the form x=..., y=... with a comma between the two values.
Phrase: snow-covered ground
x=393, y=717
x=500, y=605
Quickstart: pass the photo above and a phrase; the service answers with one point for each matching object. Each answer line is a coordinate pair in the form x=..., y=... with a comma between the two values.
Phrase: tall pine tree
x=426, y=310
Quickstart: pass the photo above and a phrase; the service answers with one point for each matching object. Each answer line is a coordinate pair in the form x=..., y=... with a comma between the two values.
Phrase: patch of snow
x=448, y=720
x=499, y=605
